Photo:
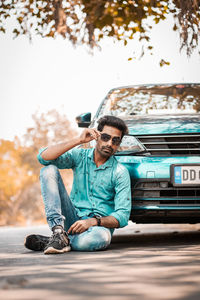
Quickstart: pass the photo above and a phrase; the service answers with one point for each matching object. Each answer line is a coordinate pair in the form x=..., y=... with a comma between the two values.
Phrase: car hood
x=155, y=124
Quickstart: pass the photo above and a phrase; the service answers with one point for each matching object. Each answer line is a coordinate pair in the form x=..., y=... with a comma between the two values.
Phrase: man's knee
x=49, y=170
x=95, y=238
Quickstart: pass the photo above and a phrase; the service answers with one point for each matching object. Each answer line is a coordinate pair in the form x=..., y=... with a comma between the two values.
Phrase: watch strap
x=98, y=218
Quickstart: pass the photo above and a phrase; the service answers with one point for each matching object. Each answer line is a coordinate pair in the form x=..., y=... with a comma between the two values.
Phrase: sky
x=52, y=74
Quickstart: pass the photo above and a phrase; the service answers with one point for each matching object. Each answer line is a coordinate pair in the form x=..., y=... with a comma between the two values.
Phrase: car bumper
x=154, y=197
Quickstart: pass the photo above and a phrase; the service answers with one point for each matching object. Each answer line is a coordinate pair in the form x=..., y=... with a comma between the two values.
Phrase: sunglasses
x=116, y=140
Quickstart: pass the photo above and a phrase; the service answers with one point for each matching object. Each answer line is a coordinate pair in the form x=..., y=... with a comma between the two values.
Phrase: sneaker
x=36, y=242
x=58, y=243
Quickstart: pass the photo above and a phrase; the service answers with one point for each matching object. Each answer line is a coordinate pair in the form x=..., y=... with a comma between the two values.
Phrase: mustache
x=107, y=148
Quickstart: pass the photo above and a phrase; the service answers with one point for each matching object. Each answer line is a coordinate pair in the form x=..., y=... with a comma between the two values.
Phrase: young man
x=100, y=199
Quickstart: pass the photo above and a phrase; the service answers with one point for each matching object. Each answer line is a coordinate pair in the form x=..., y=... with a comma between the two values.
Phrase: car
x=162, y=149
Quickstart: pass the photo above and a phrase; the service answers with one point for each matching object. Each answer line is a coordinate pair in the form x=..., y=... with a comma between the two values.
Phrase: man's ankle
x=58, y=228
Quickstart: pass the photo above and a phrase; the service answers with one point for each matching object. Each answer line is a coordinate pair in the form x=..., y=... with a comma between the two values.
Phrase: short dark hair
x=113, y=122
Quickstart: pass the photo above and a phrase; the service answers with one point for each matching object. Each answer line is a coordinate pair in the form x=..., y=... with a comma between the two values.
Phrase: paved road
x=144, y=262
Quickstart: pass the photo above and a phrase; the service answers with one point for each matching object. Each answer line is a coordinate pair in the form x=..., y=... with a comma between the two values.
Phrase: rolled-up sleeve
x=122, y=198
x=65, y=161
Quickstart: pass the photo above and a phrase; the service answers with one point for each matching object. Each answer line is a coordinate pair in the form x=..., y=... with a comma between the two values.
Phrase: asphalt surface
x=143, y=262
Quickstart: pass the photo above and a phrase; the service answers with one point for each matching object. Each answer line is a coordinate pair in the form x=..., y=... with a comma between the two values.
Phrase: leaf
x=2, y=29
x=156, y=20
x=17, y=32
x=163, y=62
x=20, y=19
x=50, y=34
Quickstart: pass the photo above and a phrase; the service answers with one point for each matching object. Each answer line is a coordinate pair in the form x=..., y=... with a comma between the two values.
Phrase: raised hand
x=88, y=135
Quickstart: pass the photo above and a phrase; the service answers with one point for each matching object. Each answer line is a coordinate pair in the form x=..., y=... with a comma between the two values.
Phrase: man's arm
x=122, y=196
x=109, y=222
x=83, y=225
x=55, y=151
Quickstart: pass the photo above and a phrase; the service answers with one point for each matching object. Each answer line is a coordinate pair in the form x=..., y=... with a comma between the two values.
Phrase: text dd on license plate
x=187, y=174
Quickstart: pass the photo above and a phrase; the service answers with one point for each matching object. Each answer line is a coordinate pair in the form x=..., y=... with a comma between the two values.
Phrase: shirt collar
x=107, y=164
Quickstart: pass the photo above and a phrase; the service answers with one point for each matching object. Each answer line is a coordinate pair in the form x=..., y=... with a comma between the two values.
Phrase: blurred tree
x=88, y=21
x=50, y=127
x=20, y=196
x=14, y=178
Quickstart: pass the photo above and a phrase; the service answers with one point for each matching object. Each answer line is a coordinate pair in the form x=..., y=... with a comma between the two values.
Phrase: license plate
x=185, y=175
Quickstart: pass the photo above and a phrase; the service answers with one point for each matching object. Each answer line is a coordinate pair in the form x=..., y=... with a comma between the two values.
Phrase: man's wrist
x=98, y=220
x=93, y=221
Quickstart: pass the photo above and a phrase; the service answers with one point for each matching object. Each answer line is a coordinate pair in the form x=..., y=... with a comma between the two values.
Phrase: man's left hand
x=82, y=225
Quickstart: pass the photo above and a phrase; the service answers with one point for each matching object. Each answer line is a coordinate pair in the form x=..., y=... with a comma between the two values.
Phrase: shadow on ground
x=136, y=266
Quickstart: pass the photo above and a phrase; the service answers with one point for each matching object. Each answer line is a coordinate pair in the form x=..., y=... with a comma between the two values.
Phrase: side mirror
x=84, y=120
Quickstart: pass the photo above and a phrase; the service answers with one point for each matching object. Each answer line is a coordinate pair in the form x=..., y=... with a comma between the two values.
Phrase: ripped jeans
x=60, y=211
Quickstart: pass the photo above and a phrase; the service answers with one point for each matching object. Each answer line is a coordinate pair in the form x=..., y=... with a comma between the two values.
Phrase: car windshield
x=151, y=100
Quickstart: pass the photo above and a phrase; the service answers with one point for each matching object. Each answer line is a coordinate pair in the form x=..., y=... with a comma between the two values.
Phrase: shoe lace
x=59, y=237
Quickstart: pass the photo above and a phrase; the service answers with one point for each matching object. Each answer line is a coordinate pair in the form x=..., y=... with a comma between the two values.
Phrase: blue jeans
x=60, y=211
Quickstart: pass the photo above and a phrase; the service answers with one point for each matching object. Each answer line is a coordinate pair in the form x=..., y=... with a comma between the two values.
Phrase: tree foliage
x=20, y=196
x=49, y=128
x=15, y=176
x=89, y=21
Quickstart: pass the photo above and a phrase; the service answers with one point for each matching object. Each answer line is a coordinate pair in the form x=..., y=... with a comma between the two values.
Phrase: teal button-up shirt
x=104, y=191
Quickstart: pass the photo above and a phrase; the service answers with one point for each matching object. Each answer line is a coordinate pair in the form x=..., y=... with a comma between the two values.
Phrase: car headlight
x=130, y=144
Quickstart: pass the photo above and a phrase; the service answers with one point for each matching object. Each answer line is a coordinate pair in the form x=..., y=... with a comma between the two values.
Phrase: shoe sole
x=52, y=250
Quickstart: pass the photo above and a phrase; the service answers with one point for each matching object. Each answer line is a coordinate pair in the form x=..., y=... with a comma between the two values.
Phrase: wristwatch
x=98, y=218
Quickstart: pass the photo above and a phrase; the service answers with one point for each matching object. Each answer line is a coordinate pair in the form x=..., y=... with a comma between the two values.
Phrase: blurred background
x=59, y=59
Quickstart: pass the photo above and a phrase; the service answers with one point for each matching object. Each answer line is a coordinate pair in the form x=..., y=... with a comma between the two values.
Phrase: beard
x=106, y=151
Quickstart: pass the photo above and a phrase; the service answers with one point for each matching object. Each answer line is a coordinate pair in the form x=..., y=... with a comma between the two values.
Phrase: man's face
x=109, y=141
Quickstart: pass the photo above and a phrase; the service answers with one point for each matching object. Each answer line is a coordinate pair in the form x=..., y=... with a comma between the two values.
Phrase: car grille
x=162, y=192
x=171, y=144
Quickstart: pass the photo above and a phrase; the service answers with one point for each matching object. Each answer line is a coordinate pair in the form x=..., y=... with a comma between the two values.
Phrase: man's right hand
x=88, y=135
